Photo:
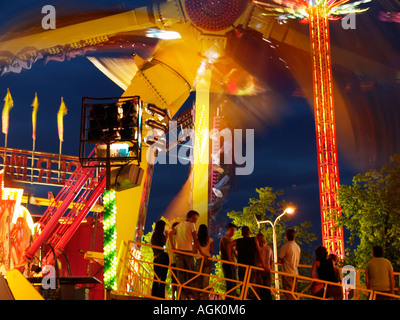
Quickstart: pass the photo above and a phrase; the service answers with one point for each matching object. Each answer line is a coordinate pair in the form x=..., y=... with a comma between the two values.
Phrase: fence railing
x=137, y=275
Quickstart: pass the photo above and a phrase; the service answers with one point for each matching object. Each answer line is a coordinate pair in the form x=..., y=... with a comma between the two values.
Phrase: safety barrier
x=138, y=276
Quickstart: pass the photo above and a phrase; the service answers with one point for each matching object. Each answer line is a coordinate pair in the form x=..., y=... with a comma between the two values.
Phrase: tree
x=268, y=206
x=371, y=214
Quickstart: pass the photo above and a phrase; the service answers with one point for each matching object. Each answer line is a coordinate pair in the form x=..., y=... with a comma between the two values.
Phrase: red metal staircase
x=86, y=185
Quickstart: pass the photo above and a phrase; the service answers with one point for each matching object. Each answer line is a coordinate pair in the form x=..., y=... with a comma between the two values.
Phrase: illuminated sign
x=37, y=167
x=16, y=227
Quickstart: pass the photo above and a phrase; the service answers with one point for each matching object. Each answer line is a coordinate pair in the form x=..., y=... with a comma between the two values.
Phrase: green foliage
x=146, y=251
x=265, y=207
x=304, y=239
x=268, y=206
x=371, y=213
x=220, y=286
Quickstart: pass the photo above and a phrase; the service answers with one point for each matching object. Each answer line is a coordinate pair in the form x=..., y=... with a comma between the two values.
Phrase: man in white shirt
x=289, y=256
x=185, y=238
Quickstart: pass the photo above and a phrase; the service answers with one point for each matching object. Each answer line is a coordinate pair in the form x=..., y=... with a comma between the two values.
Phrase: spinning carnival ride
x=318, y=13
x=205, y=33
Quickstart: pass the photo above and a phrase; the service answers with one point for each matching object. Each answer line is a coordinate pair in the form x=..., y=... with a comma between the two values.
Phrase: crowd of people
x=184, y=240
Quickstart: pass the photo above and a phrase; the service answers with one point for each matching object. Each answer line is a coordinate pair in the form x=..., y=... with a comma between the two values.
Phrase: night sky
x=285, y=154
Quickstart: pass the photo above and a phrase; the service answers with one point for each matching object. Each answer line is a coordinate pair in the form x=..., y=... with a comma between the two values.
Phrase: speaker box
x=126, y=177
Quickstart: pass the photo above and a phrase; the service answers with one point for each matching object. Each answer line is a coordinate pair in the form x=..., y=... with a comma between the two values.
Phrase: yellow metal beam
x=201, y=149
x=20, y=287
x=46, y=202
x=80, y=34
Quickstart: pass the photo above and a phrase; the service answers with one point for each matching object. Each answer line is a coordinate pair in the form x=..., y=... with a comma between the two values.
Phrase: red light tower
x=328, y=171
x=318, y=13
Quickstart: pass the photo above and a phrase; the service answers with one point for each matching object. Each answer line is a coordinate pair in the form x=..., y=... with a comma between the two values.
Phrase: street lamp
x=288, y=210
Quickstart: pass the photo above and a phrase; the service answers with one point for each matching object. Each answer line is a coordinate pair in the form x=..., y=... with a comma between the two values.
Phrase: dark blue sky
x=285, y=155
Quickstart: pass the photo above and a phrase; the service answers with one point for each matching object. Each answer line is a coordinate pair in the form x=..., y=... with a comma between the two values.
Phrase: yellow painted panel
x=20, y=287
x=129, y=201
x=128, y=205
x=200, y=192
x=201, y=149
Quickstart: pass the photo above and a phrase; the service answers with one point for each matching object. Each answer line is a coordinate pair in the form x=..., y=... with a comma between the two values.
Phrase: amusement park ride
x=202, y=32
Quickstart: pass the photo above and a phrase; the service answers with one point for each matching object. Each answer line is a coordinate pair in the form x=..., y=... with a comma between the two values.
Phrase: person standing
x=379, y=274
x=248, y=250
x=207, y=249
x=160, y=258
x=228, y=269
x=323, y=268
x=263, y=277
x=289, y=256
x=170, y=245
x=185, y=240
x=335, y=261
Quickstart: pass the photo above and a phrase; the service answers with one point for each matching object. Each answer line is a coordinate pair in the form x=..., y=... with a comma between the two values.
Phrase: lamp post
x=288, y=210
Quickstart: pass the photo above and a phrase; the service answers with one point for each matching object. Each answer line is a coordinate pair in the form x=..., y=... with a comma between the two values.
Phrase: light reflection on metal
x=324, y=114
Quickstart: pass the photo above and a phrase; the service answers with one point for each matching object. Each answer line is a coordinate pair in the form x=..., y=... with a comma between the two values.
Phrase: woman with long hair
x=158, y=240
x=207, y=248
x=263, y=277
x=173, y=272
x=324, y=269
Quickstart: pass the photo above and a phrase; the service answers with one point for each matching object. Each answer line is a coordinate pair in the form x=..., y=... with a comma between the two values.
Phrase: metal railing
x=138, y=275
